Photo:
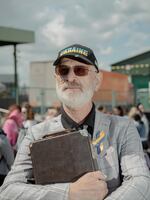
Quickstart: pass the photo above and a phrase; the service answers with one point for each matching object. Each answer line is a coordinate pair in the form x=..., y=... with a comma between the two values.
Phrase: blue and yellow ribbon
x=98, y=142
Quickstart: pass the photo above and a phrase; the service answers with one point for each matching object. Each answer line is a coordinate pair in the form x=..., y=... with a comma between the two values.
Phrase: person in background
x=135, y=115
x=28, y=115
x=13, y=122
x=28, y=122
x=132, y=111
x=52, y=112
x=139, y=125
x=102, y=109
x=144, y=119
x=6, y=156
x=118, y=110
x=122, y=170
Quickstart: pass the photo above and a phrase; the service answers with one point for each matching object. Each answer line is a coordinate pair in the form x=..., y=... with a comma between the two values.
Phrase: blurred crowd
x=141, y=121
x=14, y=125
x=136, y=113
x=18, y=119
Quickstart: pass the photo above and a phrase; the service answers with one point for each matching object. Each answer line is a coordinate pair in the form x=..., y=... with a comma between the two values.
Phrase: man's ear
x=99, y=78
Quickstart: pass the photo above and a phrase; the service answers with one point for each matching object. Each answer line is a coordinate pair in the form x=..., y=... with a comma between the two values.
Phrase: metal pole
x=42, y=102
x=16, y=75
x=113, y=103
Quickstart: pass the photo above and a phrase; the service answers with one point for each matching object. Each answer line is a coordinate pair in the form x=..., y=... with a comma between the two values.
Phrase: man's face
x=74, y=90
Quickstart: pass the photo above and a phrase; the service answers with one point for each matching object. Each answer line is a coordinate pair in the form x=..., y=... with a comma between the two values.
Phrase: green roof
x=11, y=36
x=134, y=59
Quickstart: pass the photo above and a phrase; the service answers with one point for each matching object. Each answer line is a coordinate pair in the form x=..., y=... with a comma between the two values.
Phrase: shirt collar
x=69, y=123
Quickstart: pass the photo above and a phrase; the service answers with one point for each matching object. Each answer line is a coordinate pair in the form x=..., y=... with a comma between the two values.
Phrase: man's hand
x=90, y=186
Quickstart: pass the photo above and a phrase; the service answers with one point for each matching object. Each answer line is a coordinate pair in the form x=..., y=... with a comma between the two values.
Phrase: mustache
x=71, y=85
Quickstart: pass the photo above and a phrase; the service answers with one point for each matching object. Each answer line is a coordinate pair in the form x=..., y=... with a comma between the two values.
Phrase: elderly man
x=122, y=174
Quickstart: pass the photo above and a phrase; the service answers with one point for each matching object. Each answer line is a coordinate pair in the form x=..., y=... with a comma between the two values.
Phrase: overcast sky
x=114, y=29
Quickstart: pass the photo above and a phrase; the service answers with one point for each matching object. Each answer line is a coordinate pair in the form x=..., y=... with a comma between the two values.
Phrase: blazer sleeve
x=136, y=175
x=16, y=185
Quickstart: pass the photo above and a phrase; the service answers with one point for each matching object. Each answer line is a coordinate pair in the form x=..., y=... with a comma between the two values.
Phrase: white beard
x=74, y=100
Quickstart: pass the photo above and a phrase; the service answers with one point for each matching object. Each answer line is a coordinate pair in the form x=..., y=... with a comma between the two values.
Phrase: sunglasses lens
x=80, y=71
x=62, y=71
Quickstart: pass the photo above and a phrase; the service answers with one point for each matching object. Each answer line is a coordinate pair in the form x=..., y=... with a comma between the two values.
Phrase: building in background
x=138, y=67
x=115, y=89
x=42, y=91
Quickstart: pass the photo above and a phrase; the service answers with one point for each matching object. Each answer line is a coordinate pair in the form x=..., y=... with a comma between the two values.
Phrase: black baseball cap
x=78, y=52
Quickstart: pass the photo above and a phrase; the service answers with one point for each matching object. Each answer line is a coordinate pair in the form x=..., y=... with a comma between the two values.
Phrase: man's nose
x=71, y=75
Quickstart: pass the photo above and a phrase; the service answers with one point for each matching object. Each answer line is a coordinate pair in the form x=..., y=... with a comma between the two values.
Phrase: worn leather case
x=61, y=157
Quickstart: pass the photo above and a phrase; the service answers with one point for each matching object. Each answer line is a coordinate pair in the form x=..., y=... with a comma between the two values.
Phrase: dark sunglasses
x=63, y=70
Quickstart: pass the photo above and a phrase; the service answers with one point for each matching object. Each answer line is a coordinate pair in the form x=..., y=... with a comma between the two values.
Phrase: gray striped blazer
x=119, y=156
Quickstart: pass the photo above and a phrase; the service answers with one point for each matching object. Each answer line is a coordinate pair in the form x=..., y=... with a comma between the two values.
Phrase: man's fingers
x=98, y=175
